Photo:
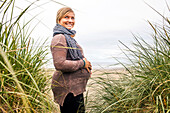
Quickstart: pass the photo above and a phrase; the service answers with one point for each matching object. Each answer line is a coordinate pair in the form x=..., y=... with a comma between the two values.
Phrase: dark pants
x=73, y=104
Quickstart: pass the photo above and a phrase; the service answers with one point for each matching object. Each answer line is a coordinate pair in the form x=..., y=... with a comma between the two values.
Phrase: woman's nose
x=70, y=20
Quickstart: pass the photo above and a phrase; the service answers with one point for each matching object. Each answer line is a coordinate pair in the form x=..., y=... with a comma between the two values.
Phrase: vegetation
x=146, y=86
x=23, y=85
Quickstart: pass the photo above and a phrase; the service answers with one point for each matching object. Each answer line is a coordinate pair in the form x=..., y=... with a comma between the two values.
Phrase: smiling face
x=68, y=20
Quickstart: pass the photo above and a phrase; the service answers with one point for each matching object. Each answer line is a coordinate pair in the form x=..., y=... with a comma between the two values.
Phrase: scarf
x=73, y=50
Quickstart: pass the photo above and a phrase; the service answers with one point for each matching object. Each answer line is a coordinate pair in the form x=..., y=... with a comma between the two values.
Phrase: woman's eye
x=66, y=16
x=72, y=18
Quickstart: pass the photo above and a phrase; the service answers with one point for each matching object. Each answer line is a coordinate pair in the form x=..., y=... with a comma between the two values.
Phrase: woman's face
x=68, y=20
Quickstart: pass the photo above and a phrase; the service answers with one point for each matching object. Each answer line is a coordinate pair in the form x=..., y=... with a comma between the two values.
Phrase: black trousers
x=73, y=104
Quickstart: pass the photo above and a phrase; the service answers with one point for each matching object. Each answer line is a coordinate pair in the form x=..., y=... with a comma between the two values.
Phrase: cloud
x=99, y=24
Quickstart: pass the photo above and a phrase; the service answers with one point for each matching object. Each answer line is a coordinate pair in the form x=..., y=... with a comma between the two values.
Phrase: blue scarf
x=71, y=42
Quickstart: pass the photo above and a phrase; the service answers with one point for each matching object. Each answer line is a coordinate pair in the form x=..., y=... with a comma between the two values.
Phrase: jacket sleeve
x=59, y=53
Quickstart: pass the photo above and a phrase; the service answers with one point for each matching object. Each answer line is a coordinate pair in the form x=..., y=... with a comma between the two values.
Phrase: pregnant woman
x=72, y=68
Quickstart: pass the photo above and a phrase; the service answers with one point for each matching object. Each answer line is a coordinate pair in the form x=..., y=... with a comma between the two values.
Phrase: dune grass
x=23, y=85
x=146, y=86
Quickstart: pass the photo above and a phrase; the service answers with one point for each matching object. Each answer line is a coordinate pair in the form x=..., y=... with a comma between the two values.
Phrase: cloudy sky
x=99, y=23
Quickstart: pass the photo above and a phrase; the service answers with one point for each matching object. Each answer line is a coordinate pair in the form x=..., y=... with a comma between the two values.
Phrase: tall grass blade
x=24, y=98
x=144, y=88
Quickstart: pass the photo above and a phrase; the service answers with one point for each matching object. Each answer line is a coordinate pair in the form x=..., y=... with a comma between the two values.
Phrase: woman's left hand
x=87, y=65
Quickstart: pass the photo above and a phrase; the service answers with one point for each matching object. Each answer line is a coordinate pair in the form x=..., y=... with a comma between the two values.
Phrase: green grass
x=146, y=86
x=24, y=86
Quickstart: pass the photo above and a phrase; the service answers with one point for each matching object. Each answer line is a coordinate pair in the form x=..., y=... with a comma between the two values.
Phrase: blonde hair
x=61, y=12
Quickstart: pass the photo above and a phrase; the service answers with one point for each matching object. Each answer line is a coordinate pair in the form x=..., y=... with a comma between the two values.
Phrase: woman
x=72, y=68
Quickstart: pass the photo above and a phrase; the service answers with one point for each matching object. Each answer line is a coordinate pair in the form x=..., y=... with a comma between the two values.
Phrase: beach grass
x=145, y=86
x=24, y=84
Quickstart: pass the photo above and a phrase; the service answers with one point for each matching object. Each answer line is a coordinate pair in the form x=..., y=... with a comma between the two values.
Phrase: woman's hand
x=87, y=65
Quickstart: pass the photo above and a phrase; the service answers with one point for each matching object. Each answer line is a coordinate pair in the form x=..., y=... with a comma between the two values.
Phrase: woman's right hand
x=87, y=65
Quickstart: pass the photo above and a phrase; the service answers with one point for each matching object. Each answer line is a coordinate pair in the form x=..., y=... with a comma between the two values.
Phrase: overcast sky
x=99, y=15
x=99, y=23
